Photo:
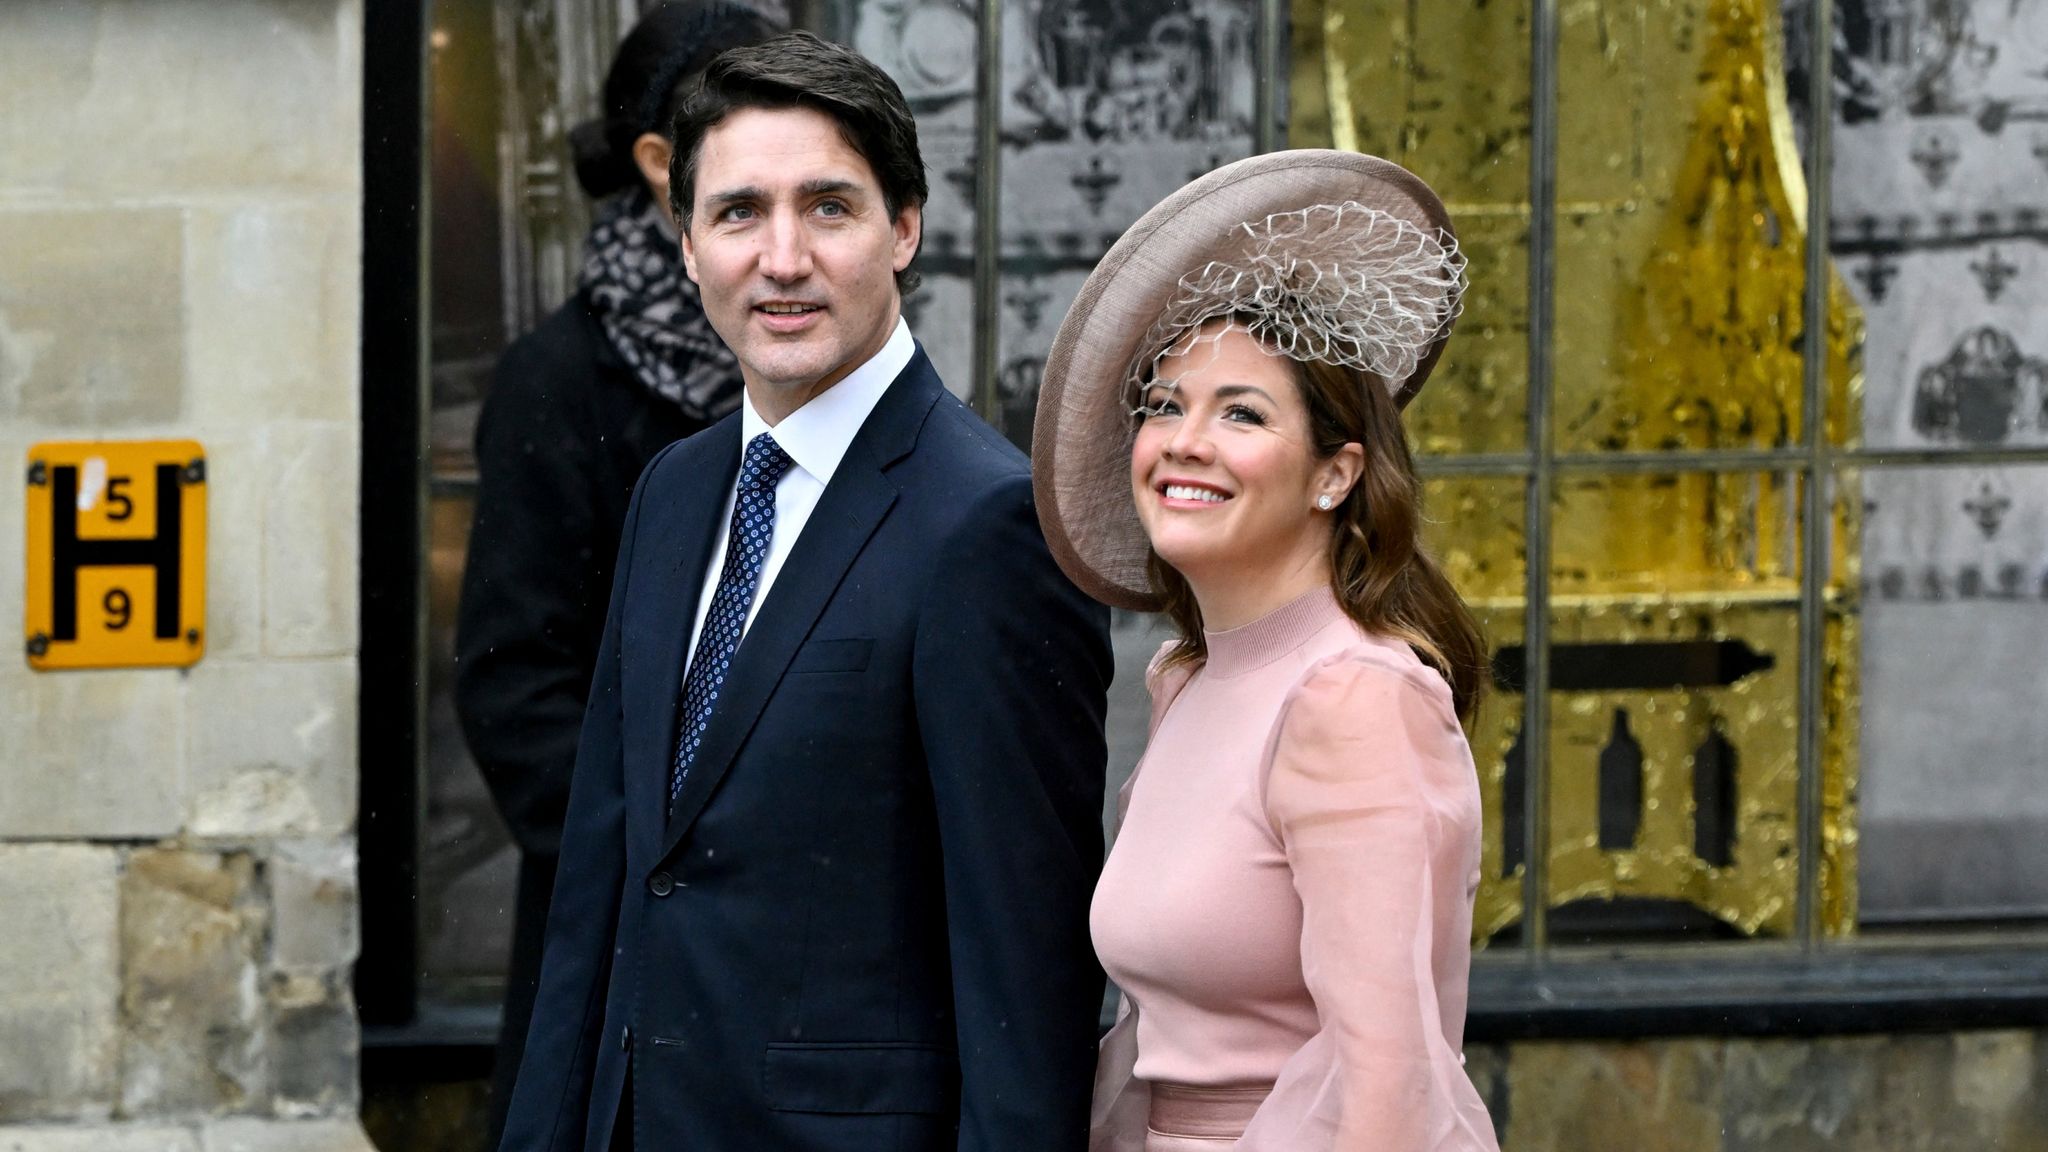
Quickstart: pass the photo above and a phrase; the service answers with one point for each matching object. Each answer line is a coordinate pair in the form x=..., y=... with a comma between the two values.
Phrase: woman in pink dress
x=1288, y=904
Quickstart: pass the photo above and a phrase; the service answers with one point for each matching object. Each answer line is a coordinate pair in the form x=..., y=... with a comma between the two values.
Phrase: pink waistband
x=1181, y=1110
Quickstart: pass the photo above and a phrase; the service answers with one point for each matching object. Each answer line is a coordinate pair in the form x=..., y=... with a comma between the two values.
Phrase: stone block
x=260, y=94
x=59, y=982
x=192, y=927
x=248, y=1134
x=273, y=295
x=1486, y=1065
x=13, y=508
x=103, y=756
x=92, y=325
x=2000, y=1081
x=272, y=747
x=310, y=531
x=237, y=487
x=313, y=905
x=1602, y=1096
x=1797, y=1094
x=314, y=1046
x=99, y=1138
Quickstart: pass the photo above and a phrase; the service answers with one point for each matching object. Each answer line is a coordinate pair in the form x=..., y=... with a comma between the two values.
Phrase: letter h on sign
x=116, y=554
x=69, y=553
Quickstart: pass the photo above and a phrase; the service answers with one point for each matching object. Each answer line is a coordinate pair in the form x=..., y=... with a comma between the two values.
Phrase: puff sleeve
x=1371, y=791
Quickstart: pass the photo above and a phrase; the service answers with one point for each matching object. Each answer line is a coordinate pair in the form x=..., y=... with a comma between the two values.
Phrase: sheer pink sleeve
x=1372, y=793
x=1122, y=1102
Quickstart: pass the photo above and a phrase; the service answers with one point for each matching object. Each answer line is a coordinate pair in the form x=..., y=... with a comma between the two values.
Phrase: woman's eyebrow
x=1241, y=389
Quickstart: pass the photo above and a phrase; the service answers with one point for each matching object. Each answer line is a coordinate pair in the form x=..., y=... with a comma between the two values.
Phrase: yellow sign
x=116, y=554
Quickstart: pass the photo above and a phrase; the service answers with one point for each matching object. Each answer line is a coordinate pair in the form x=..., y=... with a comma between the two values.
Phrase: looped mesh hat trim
x=1343, y=284
x=1248, y=240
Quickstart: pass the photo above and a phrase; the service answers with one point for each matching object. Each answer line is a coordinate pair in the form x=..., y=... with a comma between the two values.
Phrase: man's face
x=794, y=251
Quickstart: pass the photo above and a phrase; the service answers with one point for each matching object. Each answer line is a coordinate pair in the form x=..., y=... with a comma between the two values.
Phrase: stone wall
x=180, y=186
x=1883, y=1093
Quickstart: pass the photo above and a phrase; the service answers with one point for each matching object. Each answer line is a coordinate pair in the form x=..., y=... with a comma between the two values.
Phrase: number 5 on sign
x=116, y=554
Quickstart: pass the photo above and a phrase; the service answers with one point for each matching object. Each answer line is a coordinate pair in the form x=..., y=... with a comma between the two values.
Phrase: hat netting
x=1345, y=284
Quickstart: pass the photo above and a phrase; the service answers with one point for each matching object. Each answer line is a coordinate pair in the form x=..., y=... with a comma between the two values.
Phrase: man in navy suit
x=834, y=825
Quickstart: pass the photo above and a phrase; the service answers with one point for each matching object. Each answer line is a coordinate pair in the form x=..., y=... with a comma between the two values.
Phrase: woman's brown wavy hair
x=1383, y=578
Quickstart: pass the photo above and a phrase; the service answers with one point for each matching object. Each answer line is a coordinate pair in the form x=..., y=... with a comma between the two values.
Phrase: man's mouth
x=777, y=309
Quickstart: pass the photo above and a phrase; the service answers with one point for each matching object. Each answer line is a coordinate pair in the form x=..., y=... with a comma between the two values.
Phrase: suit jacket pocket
x=832, y=656
x=861, y=1078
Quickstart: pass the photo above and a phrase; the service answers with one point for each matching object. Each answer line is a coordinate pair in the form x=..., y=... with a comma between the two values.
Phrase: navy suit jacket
x=865, y=925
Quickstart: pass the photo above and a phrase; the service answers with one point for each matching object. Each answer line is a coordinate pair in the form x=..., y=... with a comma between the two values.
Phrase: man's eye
x=831, y=208
x=736, y=213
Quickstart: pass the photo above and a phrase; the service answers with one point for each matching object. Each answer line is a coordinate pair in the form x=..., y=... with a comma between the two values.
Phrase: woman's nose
x=1189, y=440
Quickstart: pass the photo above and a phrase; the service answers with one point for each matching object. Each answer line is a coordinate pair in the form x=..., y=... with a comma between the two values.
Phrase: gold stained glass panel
x=1442, y=88
x=1681, y=222
x=1474, y=527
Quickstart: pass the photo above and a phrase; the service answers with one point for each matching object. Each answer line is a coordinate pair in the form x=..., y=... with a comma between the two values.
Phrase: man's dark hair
x=798, y=70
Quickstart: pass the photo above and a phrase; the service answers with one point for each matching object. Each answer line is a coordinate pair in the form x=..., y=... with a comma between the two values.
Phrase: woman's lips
x=1187, y=494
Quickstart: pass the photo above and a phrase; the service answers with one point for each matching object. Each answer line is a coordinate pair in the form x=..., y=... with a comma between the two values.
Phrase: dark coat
x=565, y=431
x=865, y=925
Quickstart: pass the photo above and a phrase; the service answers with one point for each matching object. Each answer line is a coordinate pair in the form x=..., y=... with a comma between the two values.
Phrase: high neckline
x=1235, y=651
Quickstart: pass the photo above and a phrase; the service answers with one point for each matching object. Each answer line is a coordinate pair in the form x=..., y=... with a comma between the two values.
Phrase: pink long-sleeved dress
x=1289, y=899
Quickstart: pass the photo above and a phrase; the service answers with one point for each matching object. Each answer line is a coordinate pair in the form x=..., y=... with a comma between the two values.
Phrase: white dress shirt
x=816, y=436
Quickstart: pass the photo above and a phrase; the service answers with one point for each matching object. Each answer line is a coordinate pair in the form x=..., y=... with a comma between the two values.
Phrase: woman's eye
x=1160, y=407
x=1245, y=415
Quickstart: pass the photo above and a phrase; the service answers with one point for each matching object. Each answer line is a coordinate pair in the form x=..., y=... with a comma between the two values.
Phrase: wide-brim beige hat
x=1081, y=441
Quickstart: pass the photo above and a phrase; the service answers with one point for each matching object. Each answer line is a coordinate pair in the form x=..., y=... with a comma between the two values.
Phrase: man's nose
x=786, y=255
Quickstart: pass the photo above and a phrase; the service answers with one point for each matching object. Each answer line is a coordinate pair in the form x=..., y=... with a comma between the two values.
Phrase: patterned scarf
x=651, y=311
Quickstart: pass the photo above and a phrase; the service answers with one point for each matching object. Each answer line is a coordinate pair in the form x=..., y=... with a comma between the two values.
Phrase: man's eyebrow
x=734, y=196
x=820, y=186
x=827, y=186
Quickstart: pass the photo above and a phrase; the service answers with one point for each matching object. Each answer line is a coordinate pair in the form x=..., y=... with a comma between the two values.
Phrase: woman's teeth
x=1189, y=492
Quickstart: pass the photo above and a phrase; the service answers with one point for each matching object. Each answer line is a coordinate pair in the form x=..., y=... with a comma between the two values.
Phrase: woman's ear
x=651, y=154
x=1339, y=474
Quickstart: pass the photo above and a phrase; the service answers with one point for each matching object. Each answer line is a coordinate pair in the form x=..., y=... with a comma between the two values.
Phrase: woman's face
x=1224, y=469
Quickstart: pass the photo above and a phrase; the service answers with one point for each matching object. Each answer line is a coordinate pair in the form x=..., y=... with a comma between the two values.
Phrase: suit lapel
x=657, y=631
x=852, y=506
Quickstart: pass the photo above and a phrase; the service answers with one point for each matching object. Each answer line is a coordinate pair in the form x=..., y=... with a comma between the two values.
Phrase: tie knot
x=764, y=464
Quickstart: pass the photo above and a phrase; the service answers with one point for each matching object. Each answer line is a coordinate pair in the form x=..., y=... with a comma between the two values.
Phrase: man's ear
x=689, y=255
x=909, y=227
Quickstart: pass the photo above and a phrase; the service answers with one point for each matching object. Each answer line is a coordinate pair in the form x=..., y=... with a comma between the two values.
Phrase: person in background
x=577, y=408
x=1288, y=905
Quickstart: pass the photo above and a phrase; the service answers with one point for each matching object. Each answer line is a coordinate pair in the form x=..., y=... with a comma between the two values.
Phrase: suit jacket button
x=626, y=1038
x=661, y=884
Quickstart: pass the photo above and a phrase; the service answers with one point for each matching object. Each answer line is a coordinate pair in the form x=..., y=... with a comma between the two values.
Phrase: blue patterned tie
x=746, y=546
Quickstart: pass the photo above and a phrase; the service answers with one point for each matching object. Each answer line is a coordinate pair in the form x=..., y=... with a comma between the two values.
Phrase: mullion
x=1543, y=135
x=1818, y=495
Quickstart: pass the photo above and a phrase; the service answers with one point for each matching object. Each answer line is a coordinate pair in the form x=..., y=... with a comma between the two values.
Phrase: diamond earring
x=1324, y=502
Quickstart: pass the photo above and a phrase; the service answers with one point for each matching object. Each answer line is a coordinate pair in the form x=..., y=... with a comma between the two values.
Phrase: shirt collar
x=818, y=434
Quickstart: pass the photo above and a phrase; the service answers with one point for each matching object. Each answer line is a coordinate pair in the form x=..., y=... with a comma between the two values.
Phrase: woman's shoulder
x=1367, y=666
x=1370, y=727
